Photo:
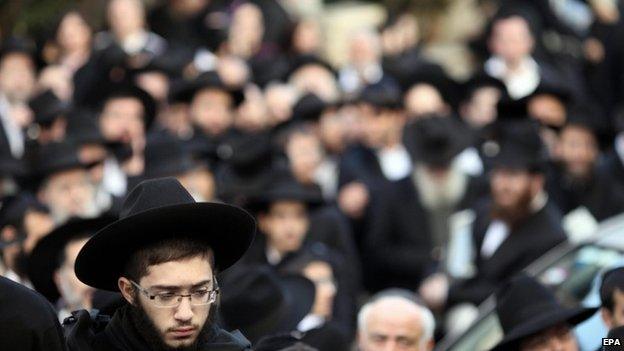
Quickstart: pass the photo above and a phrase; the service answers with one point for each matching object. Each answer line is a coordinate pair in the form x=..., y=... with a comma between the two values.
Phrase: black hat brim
x=298, y=294
x=573, y=316
x=43, y=259
x=228, y=230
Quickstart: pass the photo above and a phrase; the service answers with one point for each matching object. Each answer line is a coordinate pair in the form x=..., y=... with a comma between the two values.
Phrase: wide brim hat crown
x=161, y=209
x=525, y=307
x=44, y=257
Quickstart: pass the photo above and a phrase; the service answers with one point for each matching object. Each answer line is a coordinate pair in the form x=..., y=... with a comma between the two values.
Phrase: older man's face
x=393, y=325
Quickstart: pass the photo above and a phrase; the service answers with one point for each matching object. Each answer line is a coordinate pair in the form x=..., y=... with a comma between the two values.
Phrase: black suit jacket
x=533, y=237
x=398, y=247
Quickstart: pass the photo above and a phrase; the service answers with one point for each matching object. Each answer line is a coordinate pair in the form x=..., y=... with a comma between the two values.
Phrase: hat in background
x=259, y=302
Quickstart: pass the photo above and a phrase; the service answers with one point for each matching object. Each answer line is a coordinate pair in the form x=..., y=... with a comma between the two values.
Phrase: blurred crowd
x=383, y=173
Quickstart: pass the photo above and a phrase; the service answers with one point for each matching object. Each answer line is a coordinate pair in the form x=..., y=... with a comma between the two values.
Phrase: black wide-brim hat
x=43, y=260
x=526, y=307
x=125, y=90
x=435, y=140
x=47, y=107
x=161, y=209
x=260, y=302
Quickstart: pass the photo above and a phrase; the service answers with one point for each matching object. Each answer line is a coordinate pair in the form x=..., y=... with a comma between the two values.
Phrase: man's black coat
x=27, y=320
x=530, y=239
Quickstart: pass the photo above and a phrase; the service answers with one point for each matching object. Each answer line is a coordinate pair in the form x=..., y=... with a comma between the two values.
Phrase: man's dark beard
x=515, y=214
x=152, y=336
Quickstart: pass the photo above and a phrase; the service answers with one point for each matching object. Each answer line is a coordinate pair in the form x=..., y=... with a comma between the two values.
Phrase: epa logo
x=611, y=342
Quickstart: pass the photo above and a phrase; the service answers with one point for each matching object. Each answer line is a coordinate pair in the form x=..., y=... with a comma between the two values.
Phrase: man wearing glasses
x=163, y=255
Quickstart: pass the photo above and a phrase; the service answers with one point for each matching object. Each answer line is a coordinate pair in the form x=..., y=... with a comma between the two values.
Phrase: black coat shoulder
x=27, y=320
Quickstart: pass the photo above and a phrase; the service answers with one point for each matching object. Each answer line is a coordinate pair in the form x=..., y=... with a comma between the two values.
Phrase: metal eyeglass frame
x=211, y=298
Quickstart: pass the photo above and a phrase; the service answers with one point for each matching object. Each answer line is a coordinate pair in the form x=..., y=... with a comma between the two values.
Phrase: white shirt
x=520, y=82
x=310, y=322
x=395, y=162
x=495, y=235
x=13, y=132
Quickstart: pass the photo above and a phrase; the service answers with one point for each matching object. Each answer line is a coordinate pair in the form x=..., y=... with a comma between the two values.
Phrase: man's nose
x=390, y=345
x=184, y=312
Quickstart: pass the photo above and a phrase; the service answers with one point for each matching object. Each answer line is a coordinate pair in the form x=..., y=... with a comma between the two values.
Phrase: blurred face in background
x=382, y=127
x=322, y=275
x=59, y=80
x=513, y=190
x=122, y=120
x=480, y=109
x=246, y=30
x=307, y=37
x=423, y=99
x=365, y=48
x=74, y=34
x=211, y=110
x=69, y=193
x=305, y=154
x=17, y=77
x=280, y=99
x=578, y=151
x=76, y=294
x=125, y=17
x=511, y=39
x=285, y=224
x=316, y=79
x=200, y=183
x=155, y=83
x=333, y=130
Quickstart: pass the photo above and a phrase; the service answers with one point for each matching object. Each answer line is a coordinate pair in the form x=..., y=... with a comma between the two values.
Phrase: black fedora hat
x=82, y=127
x=436, y=140
x=259, y=302
x=525, y=307
x=57, y=157
x=44, y=259
x=385, y=94
x=285, y=187
x=482, y=80
x=166, y=156
x=184, y=90
x=515, y=144
x=160, y=209
x=47, y=107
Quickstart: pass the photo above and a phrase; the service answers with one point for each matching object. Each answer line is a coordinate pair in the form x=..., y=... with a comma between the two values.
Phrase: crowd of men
x=389, y=199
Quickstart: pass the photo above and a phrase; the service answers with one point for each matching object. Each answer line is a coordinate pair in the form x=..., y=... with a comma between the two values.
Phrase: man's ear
x=606, y=317
x=127, y=289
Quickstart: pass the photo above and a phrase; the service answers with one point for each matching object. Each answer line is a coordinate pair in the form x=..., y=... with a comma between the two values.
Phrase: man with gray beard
x=409, y=230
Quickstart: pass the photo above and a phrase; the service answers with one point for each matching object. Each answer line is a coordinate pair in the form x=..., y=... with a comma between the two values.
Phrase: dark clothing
x=399, y=249
x=27, y=320
x=344, y=310
x=600, y=194
x=528, y=241
x=85, y=332
x=613, y=166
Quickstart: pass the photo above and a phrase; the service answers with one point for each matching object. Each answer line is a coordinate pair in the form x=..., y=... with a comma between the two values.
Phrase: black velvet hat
x=157, y=210
x=525, y=307
x=259, y=302
x=436, y=140
x=44, y=259
x=47, y=107
x=515, y=144
x=184, y=91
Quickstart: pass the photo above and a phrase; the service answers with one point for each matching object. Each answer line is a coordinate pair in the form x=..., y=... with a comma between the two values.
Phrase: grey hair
x=426, y=317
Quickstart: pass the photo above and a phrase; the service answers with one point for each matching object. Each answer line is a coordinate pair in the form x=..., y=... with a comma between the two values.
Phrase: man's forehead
x=183, y=272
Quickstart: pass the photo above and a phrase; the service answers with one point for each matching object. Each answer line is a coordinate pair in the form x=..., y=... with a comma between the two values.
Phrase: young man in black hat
x=168, y=250
x=51, y=265
x=533, y=319
x=577, y=181
x=23, y=222
x=612, y=298
x=17, y=81
x=127, y=113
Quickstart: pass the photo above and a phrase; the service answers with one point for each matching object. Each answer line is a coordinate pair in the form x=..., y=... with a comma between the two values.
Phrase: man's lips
x=182, y=332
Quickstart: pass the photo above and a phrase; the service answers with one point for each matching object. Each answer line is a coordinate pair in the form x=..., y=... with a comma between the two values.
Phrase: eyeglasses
x=200, y=297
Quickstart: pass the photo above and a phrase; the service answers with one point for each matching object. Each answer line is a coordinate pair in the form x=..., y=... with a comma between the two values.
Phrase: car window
x=571, y=275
